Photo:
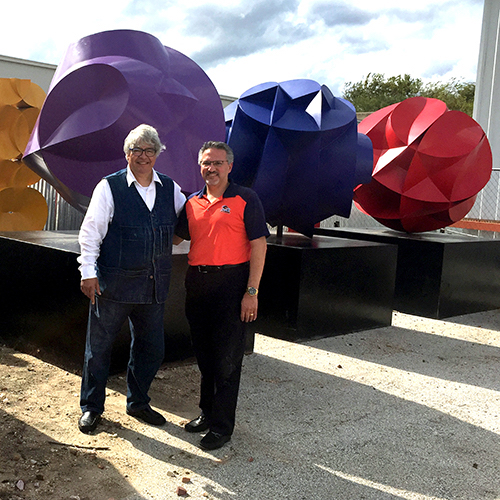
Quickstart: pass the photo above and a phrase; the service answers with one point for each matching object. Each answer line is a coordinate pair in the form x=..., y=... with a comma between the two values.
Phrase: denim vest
x=135, y=259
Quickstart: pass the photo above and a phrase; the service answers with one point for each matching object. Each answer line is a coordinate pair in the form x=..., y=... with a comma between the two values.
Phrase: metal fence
x=485, y=212
x=62, y=216
x=487, y=203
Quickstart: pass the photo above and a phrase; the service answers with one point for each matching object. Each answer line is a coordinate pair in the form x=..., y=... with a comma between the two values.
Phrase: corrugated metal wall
x=62, y=216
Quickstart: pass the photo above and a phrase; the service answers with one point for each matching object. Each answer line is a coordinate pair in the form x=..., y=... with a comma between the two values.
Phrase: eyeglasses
x=150, y=152
x=216, y=163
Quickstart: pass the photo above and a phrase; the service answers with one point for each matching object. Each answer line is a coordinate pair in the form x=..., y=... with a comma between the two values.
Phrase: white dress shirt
x=100, y=213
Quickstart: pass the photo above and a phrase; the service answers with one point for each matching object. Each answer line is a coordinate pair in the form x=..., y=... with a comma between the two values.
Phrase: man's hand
x=90, y=287
x=249, y=306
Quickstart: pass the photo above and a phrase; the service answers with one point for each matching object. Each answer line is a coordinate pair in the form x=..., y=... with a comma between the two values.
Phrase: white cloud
x=243, y=44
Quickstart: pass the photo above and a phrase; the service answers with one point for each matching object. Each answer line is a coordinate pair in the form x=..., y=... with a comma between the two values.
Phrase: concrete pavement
x=410, y=411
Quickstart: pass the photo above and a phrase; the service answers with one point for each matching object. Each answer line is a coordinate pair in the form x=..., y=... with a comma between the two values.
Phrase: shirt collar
x=131, y=177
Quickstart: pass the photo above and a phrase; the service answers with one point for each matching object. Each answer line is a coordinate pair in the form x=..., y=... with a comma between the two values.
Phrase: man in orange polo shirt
x=227, y=228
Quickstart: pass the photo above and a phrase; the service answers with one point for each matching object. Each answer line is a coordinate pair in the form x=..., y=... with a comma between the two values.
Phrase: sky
x=240, y=44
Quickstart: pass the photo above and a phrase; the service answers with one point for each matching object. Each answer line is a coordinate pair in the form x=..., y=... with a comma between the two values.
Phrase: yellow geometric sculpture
x=21, y=93
x=16, y=174
x=21, y=208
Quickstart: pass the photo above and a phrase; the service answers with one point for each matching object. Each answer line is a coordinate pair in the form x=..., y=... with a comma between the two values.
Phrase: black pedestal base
x=325, y=286
x=438, y=275
x=45, y=313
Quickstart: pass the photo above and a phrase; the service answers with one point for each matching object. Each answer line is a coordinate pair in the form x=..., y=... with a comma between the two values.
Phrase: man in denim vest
x=126, y=249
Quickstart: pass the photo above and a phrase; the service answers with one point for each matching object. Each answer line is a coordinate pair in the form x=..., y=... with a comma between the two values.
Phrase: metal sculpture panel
x=21, y=208
x=429, y=165
x=107, y=84
x=299, y=148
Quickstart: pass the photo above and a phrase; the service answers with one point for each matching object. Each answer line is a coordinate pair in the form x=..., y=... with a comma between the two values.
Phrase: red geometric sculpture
x=429, y=163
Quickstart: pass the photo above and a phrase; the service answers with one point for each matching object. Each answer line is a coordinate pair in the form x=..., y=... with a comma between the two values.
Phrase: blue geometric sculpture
x=107, y=84
x=298, y=147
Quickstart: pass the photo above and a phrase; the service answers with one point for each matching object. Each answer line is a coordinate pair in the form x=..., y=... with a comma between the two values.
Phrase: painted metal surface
x=429, y=165
x=299, y=148
x=22, y=208
x=107, y=84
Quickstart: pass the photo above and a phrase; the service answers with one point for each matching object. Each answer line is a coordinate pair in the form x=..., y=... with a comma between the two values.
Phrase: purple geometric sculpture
x=107, y=84
x=298, y=147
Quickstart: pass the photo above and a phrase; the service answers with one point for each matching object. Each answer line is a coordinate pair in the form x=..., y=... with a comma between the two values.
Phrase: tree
x=455, y=93
x=376, y=92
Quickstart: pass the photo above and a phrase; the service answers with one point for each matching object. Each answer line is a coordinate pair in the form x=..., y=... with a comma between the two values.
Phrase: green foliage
x=376, y=92
x=455, y=93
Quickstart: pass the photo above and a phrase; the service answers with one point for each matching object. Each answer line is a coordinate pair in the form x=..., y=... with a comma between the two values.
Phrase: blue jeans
x=147, y=351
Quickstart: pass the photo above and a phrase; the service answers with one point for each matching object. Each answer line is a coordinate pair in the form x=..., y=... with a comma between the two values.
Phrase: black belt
x=215, y=269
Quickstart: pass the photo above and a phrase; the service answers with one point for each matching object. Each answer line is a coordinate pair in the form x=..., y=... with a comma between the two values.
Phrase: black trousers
x=213, y=307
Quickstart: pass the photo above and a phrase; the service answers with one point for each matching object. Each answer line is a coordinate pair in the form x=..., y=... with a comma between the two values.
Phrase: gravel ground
x=409, y=411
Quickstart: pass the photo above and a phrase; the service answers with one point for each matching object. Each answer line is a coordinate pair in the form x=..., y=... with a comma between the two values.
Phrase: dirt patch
x=43, y=454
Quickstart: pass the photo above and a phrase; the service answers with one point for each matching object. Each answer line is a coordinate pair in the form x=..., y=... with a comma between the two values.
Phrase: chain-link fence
x=484, y=218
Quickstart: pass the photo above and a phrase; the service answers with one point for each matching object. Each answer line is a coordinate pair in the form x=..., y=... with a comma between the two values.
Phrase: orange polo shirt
x=221, y=231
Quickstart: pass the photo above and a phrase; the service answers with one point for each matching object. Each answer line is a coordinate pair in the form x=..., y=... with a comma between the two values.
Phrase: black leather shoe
x=214, y=440
x=88, y=421
x=147, y=415
x=199, y=424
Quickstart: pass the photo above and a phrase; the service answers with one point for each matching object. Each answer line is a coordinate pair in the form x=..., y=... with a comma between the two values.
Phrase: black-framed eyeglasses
x=216, y=163
x=150, y=152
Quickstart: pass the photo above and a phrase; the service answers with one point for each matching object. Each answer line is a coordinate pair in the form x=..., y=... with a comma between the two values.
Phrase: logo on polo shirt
x=225, y=209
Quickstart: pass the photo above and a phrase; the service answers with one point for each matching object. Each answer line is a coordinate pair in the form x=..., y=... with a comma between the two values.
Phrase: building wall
x=39, y=73
x=487, y=108
x=226, y=100
x=487, y=97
